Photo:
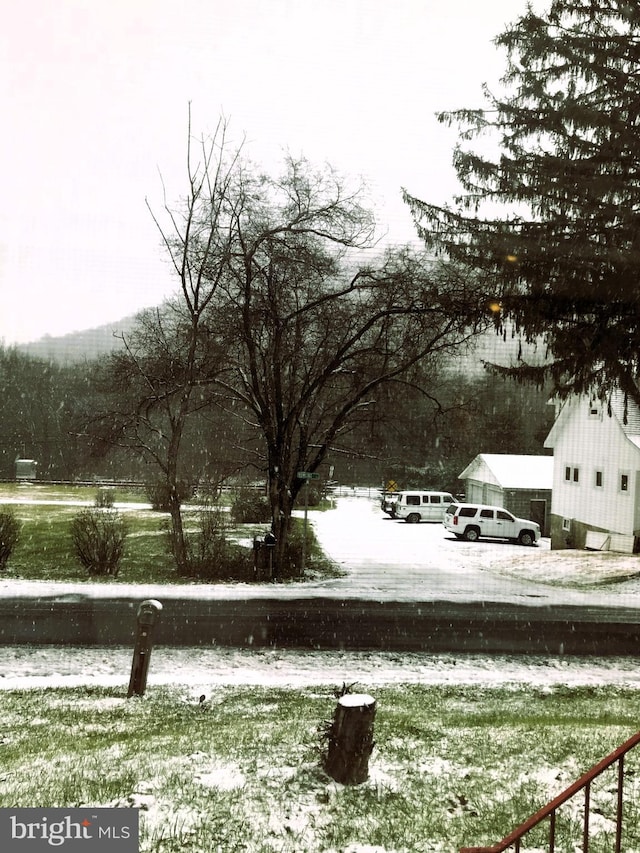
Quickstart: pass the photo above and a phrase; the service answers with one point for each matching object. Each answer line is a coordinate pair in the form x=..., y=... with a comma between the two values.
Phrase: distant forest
x=49, y=390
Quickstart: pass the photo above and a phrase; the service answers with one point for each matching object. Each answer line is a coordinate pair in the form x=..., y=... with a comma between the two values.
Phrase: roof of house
x=626, y=414
x=511, y=471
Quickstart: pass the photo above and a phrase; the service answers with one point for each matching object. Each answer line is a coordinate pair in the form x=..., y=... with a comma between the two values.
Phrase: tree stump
x=351, y=739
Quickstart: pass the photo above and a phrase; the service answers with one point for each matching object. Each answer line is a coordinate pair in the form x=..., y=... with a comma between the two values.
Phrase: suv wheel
x=472, y=534
x=526, y=538
x=413, y=518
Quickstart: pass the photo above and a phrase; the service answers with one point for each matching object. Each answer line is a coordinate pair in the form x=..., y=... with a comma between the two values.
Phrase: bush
x=10, y=529
x=159, y=492
x=316, y=563
x=211, y=556
x=250, y=507
x=312, y=498
x=105, y=498
x=98, y=539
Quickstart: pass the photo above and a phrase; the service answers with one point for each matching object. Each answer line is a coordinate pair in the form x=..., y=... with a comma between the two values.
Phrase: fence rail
x=583, y=784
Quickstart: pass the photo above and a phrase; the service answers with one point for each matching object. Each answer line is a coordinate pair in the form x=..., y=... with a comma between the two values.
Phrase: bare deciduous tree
x=288, y=315
x=316, y=325
x=170, y=361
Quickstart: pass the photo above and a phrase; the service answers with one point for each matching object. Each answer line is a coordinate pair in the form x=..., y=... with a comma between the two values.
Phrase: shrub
x=158, y=493
x=211, y=555
x=10, y=529
x=312, y=498
x=250, y=507
x=316, y=563
x=105, y=497
x=98, y=539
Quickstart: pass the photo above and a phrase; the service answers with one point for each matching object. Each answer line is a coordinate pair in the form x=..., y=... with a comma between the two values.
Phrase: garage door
x=492, y=495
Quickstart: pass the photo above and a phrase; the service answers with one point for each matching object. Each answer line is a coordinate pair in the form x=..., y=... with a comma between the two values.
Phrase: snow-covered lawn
x=201, y=669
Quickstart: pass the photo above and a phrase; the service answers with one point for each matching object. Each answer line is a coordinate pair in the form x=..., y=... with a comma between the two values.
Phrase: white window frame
x=566, y=525
x=626, y=474
x=596, y=485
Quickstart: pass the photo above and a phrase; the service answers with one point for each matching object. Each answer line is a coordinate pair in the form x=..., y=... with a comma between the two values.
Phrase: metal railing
x=514, y=839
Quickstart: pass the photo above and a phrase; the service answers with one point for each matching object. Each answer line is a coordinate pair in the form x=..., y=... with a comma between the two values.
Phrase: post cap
x=148, y=611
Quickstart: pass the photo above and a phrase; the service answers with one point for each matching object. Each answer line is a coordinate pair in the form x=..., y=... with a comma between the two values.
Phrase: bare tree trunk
x=178, y=540
x=179, y=543
x=281, y=505
x=351, y=739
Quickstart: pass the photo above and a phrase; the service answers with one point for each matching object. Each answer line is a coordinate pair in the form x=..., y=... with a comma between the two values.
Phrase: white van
x=423, y=506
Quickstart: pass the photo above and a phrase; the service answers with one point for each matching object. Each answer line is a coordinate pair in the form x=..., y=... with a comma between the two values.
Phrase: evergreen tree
x=554, y=207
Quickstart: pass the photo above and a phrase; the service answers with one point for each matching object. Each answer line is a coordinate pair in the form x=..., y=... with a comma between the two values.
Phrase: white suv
x=471, y=521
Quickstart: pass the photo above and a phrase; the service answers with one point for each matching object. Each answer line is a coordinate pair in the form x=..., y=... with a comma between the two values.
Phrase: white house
x=520, y=483
x=596, y=475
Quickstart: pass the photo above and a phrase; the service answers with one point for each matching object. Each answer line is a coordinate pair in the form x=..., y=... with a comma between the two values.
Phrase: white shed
x=26, y=469
x=518, y=482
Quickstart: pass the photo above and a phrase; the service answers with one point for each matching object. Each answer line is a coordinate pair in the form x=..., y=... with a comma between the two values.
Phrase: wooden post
x=351, y=739
x=304, y=528
x=148, y=613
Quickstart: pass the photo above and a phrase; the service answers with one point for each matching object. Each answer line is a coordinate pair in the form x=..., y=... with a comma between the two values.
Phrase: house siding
x=588, y=444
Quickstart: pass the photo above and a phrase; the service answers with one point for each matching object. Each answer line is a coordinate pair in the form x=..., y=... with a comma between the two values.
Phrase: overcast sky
x=94, y=98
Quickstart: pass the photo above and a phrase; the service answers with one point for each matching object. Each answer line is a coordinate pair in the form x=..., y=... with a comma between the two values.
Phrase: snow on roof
x=628, y=416
x=511, y=470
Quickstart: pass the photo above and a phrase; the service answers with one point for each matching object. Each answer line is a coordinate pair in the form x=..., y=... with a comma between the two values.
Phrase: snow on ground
x=201, y=670
x=382, y=558
x=578, y=569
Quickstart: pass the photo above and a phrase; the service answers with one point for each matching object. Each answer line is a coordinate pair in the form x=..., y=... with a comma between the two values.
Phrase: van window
x=435, y=499
x=413, y=500
x=486, y=513
x=468, y=511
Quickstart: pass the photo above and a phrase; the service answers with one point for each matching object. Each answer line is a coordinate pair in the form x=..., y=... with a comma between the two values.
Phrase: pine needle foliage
x=550, y=199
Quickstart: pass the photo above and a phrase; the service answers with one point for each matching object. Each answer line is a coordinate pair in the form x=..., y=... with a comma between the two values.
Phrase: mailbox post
x=148, y=614
x=306, y=476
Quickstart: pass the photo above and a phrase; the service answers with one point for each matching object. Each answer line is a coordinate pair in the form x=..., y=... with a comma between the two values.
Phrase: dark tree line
x=40, y=403
x=415, y=437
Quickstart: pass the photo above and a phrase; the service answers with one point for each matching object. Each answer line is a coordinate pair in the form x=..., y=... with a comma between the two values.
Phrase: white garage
x=520, y=483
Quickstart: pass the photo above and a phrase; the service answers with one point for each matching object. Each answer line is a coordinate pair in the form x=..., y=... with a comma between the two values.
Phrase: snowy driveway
x=388, y=559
